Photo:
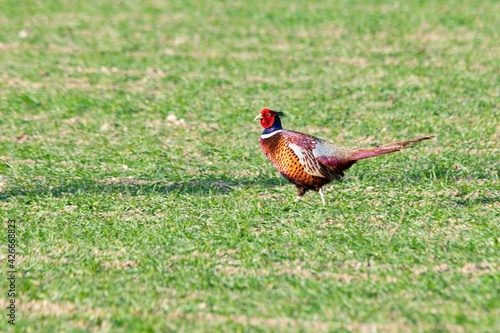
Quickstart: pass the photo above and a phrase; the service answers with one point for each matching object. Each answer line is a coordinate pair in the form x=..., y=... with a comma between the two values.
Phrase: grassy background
x=130, y=160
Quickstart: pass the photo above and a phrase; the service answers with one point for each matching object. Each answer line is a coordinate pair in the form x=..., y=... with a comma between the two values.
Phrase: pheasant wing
x=307, y=160
x=305, y=148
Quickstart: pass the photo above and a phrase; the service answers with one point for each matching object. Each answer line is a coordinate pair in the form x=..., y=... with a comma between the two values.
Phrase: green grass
x=130, y=160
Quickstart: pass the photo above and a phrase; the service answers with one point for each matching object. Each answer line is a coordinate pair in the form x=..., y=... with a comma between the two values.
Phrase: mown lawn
x=130, y=161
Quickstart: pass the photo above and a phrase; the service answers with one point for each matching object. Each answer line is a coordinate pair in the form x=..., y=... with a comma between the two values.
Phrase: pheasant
x=310, y=162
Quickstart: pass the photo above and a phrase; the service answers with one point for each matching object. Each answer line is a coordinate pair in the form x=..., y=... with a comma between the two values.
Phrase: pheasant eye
x=268, y=115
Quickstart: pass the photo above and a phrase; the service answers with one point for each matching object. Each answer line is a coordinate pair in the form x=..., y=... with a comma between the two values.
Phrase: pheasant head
x=270, y=120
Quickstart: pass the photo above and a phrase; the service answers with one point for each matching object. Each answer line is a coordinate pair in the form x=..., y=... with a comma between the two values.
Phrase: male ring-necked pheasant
x=310, y=162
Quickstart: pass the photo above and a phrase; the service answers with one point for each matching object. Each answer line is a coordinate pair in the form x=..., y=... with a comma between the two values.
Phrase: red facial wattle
x=267, y=120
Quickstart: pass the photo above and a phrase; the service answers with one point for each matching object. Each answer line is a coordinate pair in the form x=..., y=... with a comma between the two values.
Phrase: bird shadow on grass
x=478, y=201
x=132, y=186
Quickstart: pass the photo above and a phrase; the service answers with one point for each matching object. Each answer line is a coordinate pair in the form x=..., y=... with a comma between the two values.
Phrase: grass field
x=130, y=161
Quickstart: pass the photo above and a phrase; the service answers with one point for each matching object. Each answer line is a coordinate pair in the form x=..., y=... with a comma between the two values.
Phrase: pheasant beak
x=259, y=117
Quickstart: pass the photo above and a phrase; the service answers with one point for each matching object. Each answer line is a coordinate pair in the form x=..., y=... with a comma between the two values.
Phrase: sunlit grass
x=129, y=158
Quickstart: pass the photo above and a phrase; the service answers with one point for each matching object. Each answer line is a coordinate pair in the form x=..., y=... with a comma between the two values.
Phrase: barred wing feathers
x=318, y=157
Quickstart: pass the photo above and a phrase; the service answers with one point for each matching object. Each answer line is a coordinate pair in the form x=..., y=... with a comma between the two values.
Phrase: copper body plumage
x=310, y=162
x=278, y=151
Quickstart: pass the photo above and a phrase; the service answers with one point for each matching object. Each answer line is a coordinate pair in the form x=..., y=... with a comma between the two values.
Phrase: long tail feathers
x=385, y=149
